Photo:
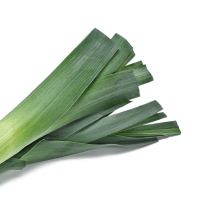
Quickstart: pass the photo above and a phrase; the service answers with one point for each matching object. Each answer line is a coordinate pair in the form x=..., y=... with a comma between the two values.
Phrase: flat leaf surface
x=127, y=60
x=77, y=125
x=118, y=139
x=158, y=129
x=47, y=149
x=115, y=123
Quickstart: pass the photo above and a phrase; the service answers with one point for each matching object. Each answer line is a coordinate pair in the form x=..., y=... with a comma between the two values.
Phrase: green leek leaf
x=115, y=123
x=120, y=58
x=119, y=139
x=48, y=149
x=154, y=118
x=12, y=164
x=153, y=130
x=128, y=58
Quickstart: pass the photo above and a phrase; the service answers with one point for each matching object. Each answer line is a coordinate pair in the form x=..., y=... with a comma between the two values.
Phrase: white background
x=35, y=36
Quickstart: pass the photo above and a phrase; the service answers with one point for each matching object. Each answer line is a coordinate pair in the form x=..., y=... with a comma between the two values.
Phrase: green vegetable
x=69, y=112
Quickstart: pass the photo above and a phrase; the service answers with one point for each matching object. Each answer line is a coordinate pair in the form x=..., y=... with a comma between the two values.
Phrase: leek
x=69, y=112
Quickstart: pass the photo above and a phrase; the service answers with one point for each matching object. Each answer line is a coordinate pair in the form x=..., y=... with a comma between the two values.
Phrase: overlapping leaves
x=90, y=84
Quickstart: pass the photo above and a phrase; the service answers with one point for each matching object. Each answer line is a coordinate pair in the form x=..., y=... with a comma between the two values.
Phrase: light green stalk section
x=71, y=128
x=55, y=95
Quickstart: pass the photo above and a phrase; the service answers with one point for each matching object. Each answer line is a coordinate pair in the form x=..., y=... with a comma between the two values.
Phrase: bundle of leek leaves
x=69, y=112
